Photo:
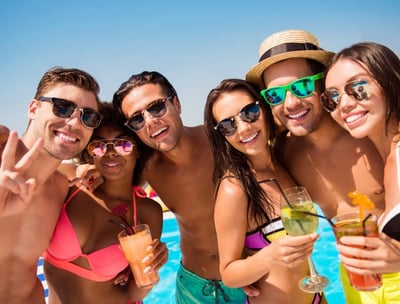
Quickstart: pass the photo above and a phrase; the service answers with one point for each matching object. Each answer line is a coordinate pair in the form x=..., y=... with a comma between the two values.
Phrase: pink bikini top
x=64, y=247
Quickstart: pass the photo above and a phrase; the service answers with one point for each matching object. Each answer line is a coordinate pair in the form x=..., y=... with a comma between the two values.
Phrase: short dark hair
x=138, y=80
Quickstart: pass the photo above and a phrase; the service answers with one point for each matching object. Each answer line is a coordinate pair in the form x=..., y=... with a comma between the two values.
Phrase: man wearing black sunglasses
x=62, y=116
x=180, y=171
x=316, y=151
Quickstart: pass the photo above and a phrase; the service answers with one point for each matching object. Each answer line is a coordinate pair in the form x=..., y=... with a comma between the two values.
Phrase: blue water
x=325, y=257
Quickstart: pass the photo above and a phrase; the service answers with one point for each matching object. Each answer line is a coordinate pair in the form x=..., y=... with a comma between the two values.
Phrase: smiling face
x=160, y=133
x=112, y=165
x=360, y=118
x=300, y=115
x=250, y=137
x=63, y=138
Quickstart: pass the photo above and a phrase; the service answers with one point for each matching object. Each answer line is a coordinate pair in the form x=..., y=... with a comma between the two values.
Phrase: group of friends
x=302, y=116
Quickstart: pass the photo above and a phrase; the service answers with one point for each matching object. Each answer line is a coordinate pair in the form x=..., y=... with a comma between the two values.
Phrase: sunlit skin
x=90, y=216
x=180, y=172
x=360, y=119
x=316, y=144
x=300, y=115
x=63, y=138
x=30, y=214
x=367, y=119
x=249, y=138
x=276, y=269
x=159, y=133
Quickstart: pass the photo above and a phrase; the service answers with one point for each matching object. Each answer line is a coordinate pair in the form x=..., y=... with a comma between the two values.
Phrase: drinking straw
x=320, y=216
x=124, y=226
x=364, y=222
x=287, y=201
x=284, y=196
x=279, y=187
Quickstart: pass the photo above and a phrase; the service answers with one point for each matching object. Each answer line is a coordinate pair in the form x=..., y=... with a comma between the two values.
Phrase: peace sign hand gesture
x=16, y=190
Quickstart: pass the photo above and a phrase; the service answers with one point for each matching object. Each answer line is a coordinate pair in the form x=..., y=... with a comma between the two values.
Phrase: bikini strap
x=137, y=191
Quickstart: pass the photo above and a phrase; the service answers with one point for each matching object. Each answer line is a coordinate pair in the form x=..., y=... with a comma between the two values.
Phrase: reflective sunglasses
x=98, y=148
x=64, y=109
x=360, y=90
x=156, y=109
x=249, y=113
x=301, y=88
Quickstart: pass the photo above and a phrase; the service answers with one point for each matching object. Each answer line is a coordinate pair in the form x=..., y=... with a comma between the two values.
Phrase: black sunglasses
x=64, y=109
x=360, y=90
x=156, y=109
x=249, y=113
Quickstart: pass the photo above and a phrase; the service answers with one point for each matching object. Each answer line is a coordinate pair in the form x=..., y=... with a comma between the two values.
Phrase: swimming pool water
x=325, y=257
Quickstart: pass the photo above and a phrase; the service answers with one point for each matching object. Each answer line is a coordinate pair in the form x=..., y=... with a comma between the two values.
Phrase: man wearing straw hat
x=315, y=150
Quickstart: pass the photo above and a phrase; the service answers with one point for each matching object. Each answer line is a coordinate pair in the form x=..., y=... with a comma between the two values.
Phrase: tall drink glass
x=134, y=247
x=295, y=204
x=350, y=224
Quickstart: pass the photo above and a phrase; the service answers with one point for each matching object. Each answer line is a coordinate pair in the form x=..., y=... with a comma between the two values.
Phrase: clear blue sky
x=195, y=44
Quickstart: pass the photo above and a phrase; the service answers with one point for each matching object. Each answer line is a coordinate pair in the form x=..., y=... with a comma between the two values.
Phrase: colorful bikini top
x=264, y=235
x=64, y=248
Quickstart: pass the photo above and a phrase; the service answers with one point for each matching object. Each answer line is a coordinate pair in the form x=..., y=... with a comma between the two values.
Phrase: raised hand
x=16, y=190
x=87, y=176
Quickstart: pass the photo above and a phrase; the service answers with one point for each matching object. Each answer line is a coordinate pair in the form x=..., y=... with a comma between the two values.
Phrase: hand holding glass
x=295, y=204
x=351, y=224
x=134, y=247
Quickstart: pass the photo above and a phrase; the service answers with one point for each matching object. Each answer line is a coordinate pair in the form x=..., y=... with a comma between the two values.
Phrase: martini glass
x=298, y=218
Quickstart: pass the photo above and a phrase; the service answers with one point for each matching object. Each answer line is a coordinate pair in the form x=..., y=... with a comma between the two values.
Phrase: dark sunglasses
x=249, y=113
x=64, y=109
x=301, y=88
x=360, y=90
x=98, y=148
x=156, y=109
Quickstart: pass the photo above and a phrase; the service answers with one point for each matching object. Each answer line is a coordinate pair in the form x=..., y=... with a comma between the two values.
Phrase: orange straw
x=364, y=203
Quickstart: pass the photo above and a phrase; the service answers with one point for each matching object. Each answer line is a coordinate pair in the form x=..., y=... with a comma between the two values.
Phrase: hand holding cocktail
x=298, y=218
x=359, y=223
x=135, y=246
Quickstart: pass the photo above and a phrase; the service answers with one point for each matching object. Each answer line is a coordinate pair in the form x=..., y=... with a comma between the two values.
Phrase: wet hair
x=138, y=80
x=113, y=119
x=384, y=66
x=72, y=76
x=228, y=159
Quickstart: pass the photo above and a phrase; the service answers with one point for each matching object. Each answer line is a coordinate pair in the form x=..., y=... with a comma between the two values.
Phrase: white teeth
x=158, y=132
x=249, y=139
x=66, y=137
x=353, y=118
x=294, y=116
x=111, y=165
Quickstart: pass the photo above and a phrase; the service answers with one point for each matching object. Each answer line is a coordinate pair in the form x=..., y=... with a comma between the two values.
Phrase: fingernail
x=147, y=258
x=147, y=269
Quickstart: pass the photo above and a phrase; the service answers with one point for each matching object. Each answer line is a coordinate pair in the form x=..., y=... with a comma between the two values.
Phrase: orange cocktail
x=134, y=247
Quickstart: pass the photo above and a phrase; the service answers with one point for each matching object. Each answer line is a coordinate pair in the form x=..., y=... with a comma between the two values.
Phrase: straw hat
x=284, y=45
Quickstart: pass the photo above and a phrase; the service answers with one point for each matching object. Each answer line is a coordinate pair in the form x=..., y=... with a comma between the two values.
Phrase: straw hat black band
x=288, y=47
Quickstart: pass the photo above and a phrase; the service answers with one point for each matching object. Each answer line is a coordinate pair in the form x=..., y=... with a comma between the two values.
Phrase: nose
x=241, y=125
x=291, y=100
x=346, y=102
x=75, y=117
x=110, y=149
